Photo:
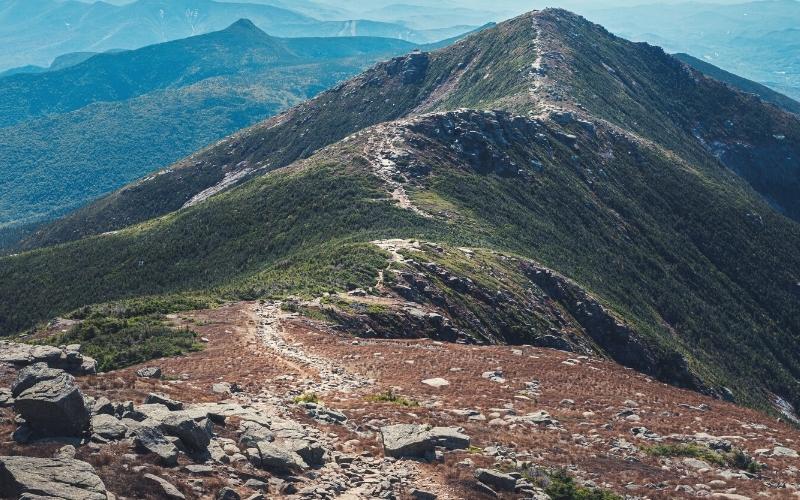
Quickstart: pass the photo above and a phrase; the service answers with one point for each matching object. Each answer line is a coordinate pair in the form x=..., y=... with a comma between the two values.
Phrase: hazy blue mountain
x=70, y=135
x=40, y=30
x=743, y=84
x=60, y=62
x=756, y=40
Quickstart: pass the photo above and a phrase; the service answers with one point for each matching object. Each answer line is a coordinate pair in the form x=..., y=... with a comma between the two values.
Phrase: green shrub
x=561, y=486
x=390, y=397
x=117, y=342
x=308, y=397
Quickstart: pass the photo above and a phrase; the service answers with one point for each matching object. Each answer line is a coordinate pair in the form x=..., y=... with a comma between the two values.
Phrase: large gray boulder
x=420, y=441
x=68, y=358
x=152, y=440
x=50, y=402
x=496, y=479
x=195, y=435
x=62, y=478
x=278, y=458
x=108, y=427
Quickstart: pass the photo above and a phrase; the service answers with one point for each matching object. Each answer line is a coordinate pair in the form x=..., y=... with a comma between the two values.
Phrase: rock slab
x=63, y=478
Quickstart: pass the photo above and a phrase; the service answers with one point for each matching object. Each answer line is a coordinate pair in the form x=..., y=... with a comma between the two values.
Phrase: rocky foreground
x=281, y=405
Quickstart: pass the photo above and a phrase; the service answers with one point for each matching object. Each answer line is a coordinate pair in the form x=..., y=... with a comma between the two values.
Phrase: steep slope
x=71, y=26
x=737, y=82
x=597, y=224
x=79, y=133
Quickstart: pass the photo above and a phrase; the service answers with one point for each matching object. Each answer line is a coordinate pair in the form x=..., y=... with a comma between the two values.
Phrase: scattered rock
x=67, y=358
x=152, y=440
x=193, y=434
x=436, y=382
x=782, y=451
x=494, y=376
x=149, y=372
x=199, y=469
x=161, y=399
x=323, y=414
x=62, y=478
x=169, y=490
x=227, y=493
x=108, y=427
x=495, y=479
x=274, y=457
x=417, y=494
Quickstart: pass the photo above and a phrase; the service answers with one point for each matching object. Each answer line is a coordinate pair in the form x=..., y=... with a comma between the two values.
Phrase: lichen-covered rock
x=50, y=402
x=62, y=478
x=420, y=441
x=108, y=427
x=152, y=440
x=67, y=358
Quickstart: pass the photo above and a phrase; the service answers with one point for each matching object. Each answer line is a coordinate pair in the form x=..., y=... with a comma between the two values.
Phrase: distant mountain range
x=40, y=30
x=756, y=40
x=70, y=135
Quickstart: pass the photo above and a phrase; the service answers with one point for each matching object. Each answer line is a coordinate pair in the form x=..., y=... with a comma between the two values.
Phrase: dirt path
x=322, y=374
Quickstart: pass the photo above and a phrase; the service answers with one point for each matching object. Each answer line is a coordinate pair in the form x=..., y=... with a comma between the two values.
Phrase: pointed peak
x=244, y=24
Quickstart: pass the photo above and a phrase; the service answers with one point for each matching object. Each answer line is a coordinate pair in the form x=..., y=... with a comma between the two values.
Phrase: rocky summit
x=540, y=262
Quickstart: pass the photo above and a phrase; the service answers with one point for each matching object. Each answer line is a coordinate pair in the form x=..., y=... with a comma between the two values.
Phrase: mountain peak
x=244, y=24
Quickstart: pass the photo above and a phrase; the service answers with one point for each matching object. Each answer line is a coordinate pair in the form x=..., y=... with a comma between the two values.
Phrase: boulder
x=149, y=372
x=6, y=399
x=420, y=441
x=152, y=440
x=449, y=437
x=323, y=414
x=436, y=382
x=227, y=493
x=251, y=433
x=193, y=434
x=102, y=405
x=167, y=488
x=66, y=358
x=407, y=440
x=108, y=427
x=62, y=478
x=497, y=480
x=50, y=402
x=278, y=458
x=161, y=399
x=35, y=373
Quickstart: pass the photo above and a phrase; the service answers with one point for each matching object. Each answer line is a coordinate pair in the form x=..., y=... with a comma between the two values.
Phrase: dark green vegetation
x=561, y=486
x=72, y=135
x=737, y=82
x=127, y=333
x=41, y=30
x=734, y=458
x=656, y=247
